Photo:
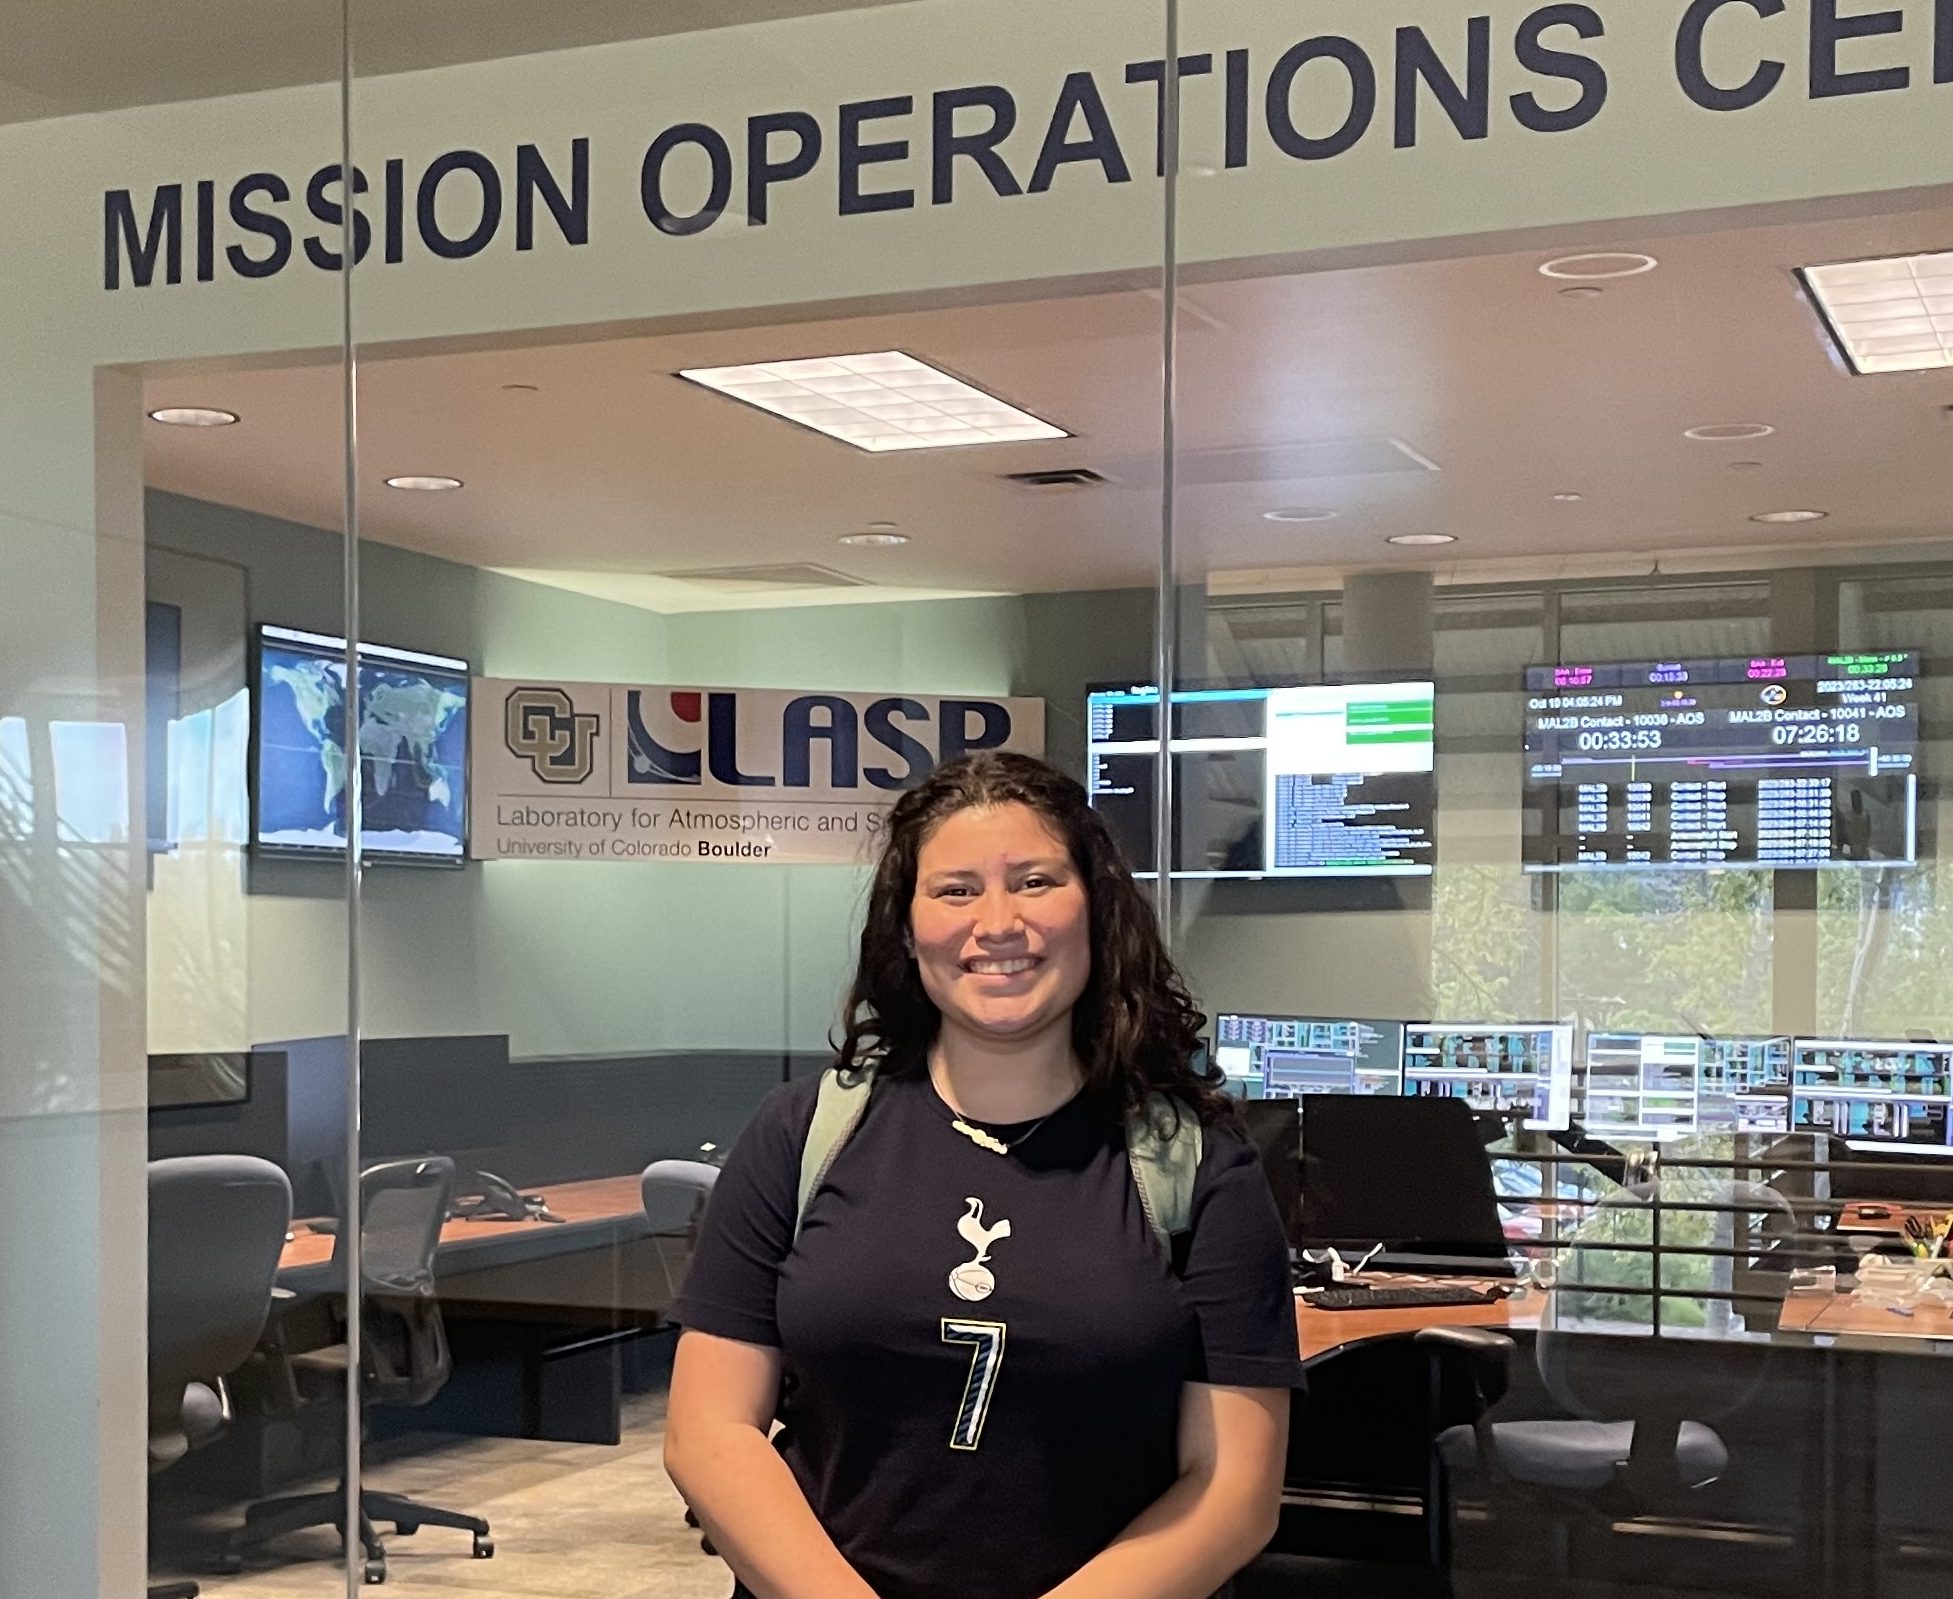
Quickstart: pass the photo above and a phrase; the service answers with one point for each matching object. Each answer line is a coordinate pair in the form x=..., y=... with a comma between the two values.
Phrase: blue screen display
x=411, y=734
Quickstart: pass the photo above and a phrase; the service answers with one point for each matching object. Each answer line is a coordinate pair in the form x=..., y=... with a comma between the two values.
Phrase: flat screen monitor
x=1522, y=1069
x=1275, y=1129
x=1878, y=1094
x=1757, y=761
x=1285, y=1057
x=1331, y=780
x=198, y=1081
x=1668, y=1085
x=1410, y=1175
x=411, y=733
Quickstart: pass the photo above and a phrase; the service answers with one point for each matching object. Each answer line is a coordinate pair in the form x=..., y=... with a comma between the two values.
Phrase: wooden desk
x=1849, y=1316
x=1852, y=1219
x=581, y=1205
x=1323, y=1330
x=541, y=1316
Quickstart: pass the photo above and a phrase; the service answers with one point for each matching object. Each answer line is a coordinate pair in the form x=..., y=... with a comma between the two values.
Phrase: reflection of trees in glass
x=1610, y=1256
x=1884, y=948
x=1484, y=943
x=1662, y=950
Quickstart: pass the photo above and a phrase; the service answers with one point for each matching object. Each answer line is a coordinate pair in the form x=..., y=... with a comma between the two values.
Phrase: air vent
x=1287, y=463
x=768, y=579
x=1064, y=477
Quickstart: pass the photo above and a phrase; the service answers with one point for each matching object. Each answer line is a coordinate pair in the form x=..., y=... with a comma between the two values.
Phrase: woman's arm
x=723, y=1396
x=1217, y=1517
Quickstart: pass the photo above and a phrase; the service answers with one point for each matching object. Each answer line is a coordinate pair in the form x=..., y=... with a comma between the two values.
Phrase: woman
x=993, y=1382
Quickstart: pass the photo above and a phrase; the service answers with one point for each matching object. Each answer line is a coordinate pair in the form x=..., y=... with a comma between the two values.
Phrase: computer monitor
x=1522, y=1069
x=1747, y=761
x=1410, y=1174
x=197, y=1081
x=1285, y=1057
x=1325, y=780
x=1275, y=1129
x=1874, y=1094
x=1668, y=1085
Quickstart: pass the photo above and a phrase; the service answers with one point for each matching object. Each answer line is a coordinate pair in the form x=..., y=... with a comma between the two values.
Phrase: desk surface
x=1805, y=1316
x=601, y=1199
x=1324, y=1330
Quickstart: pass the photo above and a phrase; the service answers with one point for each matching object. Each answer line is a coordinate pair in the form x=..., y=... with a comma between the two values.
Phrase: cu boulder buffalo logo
x=544, y=727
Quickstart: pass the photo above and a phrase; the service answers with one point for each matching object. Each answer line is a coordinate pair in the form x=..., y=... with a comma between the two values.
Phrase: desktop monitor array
x=1522, y=1070
x=1872, y=1095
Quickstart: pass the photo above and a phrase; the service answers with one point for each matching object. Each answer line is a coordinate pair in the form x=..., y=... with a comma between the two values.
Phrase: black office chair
x=675, y=1194
x=1640, y=1435
x=404, y=1356
x=216, y=1229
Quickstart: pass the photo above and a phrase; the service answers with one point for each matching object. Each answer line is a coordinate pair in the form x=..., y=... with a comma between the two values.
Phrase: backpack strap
x=838, y=1108
x=1163, y=1144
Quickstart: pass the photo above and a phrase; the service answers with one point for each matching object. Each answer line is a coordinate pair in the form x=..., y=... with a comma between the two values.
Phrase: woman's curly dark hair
x=1135, y=1029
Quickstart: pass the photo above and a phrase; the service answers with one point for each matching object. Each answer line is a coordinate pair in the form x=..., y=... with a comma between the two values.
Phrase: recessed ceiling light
x=1745, y=466
x=1300, y=513
x=193, y=416
x=519, y=388
x=1583, y=291
x=424, y=485
x=878, y=402
x=879, y=538
x=1728, y=432
x=1889, y=315
x=1599, y=264
x=1569, y=499
x=1422, y=538
x=1790, y=516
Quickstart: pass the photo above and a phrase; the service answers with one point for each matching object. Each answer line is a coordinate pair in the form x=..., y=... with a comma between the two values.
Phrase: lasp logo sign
x=544, y=727
x=832, y=741
x=650, y=760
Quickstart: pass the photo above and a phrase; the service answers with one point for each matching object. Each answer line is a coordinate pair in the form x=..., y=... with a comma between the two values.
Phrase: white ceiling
x=614, y=471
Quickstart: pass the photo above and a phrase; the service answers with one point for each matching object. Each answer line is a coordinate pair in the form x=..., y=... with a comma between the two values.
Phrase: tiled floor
x=571, y=1521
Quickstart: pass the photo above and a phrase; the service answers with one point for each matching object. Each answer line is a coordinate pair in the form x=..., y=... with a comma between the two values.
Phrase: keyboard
x=1418, y=1296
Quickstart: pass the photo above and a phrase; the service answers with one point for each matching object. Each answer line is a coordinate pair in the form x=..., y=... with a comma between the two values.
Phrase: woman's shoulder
x=787, y=1111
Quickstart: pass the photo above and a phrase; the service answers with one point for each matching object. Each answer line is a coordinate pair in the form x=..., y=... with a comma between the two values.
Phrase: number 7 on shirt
x=986, y=1341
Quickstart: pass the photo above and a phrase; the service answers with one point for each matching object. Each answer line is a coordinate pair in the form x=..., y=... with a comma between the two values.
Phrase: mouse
x=1875, y=1212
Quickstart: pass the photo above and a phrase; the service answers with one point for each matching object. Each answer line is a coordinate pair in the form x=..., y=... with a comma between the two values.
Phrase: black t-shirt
x=982, y=1355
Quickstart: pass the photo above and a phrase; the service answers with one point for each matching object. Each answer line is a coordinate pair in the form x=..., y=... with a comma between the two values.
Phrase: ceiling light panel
x=1891, y=315
x=880, y=402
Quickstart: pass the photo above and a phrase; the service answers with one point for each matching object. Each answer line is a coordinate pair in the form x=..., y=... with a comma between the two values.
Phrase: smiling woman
x=1013, y=1008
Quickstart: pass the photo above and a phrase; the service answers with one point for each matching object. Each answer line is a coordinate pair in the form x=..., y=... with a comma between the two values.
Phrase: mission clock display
x=1758, y=761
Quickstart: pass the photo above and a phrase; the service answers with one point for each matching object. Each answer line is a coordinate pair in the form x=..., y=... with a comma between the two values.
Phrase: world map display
x=411, y=738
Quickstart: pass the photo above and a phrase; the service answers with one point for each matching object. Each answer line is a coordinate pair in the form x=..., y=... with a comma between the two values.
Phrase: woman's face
x=1001, y=922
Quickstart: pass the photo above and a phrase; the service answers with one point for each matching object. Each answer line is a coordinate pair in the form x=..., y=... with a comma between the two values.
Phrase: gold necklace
x=989, y=1140
x=982, y=1137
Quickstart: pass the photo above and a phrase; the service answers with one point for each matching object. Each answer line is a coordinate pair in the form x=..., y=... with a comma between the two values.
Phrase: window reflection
x=91, y=781
x=16, y=779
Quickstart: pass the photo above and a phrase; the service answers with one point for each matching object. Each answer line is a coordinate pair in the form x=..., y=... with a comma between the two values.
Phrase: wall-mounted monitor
x=1331, y=780
x=1667, y=1085
x=1285, y=1057
x=1522, y=1069
x=1759, y=761
x=199, y=1081
x=411, y=734
x=1874, y=1094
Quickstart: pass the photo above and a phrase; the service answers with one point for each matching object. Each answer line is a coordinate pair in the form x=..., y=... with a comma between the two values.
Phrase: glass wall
x=1504, y=455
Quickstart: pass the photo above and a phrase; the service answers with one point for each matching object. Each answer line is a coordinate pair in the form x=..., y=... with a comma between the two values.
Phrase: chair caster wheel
x=228, y=1564
x=376, y=1572
x=406, y=1529
x=484, y=1548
